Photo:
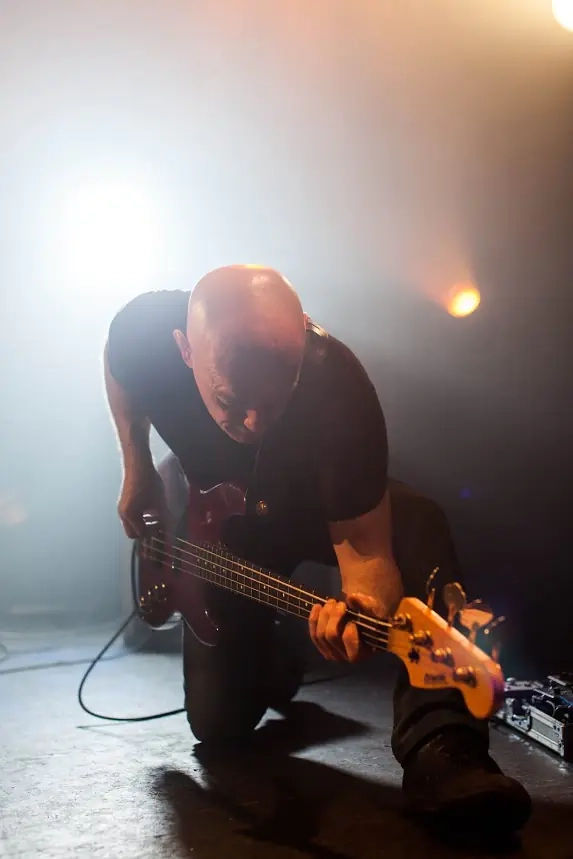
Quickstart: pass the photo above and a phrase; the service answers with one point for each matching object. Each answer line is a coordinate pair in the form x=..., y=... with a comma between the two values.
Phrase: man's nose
x=254, y=421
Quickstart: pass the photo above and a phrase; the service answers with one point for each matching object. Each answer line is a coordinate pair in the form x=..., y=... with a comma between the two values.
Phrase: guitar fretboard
x=224, y=569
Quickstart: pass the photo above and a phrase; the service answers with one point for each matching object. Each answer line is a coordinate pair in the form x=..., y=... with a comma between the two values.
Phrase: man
x=241, y=385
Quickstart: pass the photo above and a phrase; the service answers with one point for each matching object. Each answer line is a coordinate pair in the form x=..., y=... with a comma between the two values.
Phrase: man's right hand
x=142, y=492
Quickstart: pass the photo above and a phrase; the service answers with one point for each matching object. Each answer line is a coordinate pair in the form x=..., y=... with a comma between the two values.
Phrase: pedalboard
x=541, y=711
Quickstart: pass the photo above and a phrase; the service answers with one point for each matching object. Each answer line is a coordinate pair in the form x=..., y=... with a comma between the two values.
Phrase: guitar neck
x=225, y=570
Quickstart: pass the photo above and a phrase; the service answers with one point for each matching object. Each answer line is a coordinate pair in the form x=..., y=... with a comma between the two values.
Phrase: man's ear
x=184, y=347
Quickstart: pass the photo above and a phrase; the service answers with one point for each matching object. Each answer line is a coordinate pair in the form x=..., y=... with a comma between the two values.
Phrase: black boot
x=453, y=786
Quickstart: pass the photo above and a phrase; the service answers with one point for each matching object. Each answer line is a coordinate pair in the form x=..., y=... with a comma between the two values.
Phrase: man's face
x=247, y=391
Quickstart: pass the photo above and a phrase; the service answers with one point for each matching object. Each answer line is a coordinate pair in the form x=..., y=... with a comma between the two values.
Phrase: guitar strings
x=374, y=637
x=379, y=635
x=374, y=624
x=219, y=556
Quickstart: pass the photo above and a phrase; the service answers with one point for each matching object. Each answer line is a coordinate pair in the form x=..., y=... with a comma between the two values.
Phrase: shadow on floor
x=260, y=800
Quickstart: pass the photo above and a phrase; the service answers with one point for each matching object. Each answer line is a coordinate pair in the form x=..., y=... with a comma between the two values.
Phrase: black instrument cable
x=104, y=650
x=93, y=664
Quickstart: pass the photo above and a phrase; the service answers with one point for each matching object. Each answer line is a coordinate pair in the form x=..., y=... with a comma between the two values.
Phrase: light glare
x=563, y=12
x=111, y=236
x=463, y=300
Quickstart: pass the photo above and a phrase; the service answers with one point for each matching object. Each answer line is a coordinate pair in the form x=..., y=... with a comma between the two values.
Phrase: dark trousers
x=229, y=687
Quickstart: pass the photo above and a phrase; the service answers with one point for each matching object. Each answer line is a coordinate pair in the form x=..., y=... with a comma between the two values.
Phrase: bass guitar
x=172, y=572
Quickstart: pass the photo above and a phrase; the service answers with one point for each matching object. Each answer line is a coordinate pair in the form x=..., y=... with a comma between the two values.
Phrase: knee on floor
x=222, y=724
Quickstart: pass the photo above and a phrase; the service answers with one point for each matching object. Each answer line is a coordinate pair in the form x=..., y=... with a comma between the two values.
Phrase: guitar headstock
x=438, y=656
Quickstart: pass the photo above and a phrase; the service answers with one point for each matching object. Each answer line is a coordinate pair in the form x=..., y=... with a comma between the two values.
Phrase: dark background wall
x=376, y=152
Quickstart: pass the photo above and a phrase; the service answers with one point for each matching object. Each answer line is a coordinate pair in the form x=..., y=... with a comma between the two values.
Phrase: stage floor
x=321, y=784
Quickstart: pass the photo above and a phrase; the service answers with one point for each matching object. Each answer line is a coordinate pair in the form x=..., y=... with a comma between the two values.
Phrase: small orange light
x=463, y=299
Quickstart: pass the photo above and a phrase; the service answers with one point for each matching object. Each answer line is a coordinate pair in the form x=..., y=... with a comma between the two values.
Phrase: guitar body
x=161, y=589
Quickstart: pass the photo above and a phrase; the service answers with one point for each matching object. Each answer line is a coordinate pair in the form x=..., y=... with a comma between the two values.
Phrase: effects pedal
x=541, y=711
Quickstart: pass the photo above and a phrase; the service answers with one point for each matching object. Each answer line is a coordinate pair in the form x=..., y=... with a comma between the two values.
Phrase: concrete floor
x=322, y=783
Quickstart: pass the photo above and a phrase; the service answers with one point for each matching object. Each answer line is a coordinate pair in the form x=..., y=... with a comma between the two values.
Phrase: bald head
x=245, y=342
x=246, y=303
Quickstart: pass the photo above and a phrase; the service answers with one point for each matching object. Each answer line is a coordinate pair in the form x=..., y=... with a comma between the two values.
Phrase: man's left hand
x=335, y=636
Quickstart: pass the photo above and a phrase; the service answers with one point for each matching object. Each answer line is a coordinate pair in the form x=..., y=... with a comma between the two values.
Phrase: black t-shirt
x=324, y=460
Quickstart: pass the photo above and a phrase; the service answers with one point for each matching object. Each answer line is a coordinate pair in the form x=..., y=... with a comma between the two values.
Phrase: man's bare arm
x=371, y=582
x=365, y=556
x=142, y=490
x=132, y=427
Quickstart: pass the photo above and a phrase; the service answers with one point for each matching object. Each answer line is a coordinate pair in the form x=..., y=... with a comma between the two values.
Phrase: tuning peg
x=431, y=592
x=494, y=625
x=496, y=648
x=475, y=616
x=455, y=600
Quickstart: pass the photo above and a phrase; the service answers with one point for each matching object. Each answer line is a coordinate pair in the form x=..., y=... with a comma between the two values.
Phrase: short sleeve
x=126, y=341
x=140, y=338
x=353, y=438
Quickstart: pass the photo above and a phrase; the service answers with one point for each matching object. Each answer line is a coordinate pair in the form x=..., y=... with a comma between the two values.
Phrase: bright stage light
x=463, y=300
x=111, y=235
x=563, y=12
